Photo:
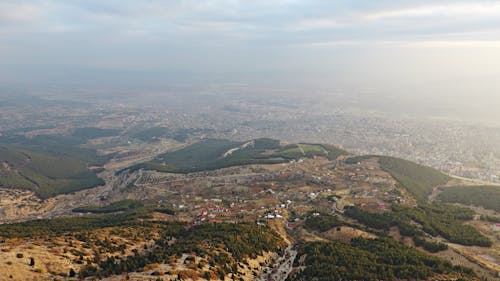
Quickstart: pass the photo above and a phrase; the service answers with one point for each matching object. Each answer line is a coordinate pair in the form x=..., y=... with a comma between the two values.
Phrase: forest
x=212, y=154
x=61, y=225
x=322, y=222
x=48, y=165
x=221, y=246
x=119, y=206
x=484, y=195
x=370, y=259
x=435, y=220
x=417, y=179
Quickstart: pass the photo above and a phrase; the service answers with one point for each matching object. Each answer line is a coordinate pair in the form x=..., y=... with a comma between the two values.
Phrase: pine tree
x=72, y=272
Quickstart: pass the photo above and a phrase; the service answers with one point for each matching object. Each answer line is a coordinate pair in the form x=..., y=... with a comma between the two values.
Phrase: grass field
x=304, y=150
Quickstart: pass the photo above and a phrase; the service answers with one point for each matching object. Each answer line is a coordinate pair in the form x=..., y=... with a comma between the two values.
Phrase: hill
x=58, y=145
x=212, y=154
x=48, y=165
x=371, y=259
x=443, y=220
x=44, y=173
x=214, y=250
x=419, y=180
x=238, y=230
x=483, y=195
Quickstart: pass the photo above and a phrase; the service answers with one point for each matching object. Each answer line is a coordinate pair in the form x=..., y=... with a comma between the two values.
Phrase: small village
x=288, y=191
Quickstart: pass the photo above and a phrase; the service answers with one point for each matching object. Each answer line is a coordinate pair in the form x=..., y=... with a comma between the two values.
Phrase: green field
x=482, y=195
x=214, y=154
x=304, y=150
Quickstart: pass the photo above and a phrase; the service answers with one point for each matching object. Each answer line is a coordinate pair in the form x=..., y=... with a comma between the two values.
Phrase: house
x=496, y=227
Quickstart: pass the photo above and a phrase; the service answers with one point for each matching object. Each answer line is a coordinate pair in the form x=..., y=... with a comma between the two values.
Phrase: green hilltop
x=419, y=180
x=212, y=154
x=48, y=165
x=44, y=173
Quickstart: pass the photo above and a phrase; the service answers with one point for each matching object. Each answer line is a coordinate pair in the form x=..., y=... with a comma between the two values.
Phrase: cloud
x=417, y=43
x=475, y=44
x=285, y=20
x=461, y=9
x=18, y=13
x=151, y=33
x=317, y=23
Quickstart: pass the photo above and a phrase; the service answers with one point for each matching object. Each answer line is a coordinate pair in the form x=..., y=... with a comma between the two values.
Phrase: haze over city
x=412, y=53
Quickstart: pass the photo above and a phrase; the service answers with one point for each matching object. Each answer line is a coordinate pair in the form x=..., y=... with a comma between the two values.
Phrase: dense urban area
x=465, y=149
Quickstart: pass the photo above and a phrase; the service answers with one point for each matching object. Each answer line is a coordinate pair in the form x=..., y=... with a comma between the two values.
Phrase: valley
x=315, y=195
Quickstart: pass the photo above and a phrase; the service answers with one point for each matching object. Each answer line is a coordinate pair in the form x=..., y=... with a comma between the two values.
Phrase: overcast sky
x=434, y=48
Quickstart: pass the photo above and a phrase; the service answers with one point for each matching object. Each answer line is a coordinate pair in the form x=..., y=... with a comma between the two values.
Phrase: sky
x=444, y=50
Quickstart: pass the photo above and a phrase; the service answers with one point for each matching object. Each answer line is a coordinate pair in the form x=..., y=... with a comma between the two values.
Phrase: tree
x=32, y=261
x=72, y=272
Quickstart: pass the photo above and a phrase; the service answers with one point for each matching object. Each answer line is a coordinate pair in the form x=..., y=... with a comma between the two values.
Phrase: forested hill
x=214, y=154
x=487, y=196
x=372, y=259
x=419, y=180
x=48, y=164
x=44, y=172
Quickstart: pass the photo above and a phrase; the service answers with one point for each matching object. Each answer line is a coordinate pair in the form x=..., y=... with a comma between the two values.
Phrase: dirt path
x=301, y=149
x=281, y=268
x=435, y=192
